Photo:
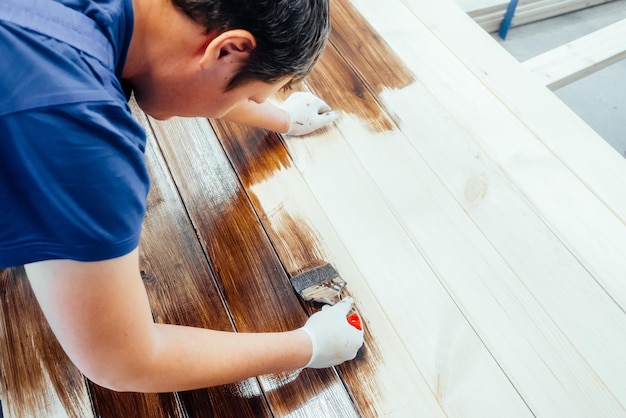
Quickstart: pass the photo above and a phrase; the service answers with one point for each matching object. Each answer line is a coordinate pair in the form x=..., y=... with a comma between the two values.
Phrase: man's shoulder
x=115, y=19
x=33, y=76
x=77, y=191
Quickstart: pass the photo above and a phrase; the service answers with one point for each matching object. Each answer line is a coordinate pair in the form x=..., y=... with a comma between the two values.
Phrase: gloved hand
x=307, y=112
x=334, y=339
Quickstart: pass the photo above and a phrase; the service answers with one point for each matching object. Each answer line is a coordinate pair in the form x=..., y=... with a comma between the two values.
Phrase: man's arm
x=100, y=314
x=300, y=114
x=263, y=115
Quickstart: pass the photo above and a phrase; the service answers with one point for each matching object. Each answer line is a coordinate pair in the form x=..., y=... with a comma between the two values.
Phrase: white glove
x=307, y=112
x=334, y=339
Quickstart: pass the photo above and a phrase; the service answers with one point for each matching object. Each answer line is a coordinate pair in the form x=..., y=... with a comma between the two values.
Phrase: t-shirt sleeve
x=73, y=183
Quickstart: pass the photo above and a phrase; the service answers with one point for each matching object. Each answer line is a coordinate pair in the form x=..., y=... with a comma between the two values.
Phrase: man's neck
x=162, y=34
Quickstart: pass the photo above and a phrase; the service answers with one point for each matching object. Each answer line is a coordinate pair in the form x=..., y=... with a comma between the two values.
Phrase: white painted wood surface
x=518, y=122
x=579, y=58
x=487, y=228
x=453, y=360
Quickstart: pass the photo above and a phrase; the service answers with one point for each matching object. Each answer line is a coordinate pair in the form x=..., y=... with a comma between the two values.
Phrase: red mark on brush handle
x=355, y=321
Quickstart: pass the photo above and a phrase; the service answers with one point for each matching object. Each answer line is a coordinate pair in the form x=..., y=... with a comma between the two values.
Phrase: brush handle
x=355, y=321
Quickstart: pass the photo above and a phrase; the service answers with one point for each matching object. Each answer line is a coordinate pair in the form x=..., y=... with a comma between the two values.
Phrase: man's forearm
x=185, y=358
x=100, y=313
x=262, y=115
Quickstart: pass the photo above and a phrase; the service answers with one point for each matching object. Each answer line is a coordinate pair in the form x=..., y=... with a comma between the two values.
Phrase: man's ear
x=232, y=46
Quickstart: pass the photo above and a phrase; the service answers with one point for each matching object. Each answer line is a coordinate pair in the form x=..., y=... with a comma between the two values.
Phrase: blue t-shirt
x=73, y=178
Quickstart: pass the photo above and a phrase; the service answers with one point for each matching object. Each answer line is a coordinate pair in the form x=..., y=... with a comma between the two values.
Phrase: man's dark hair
x=290, y=34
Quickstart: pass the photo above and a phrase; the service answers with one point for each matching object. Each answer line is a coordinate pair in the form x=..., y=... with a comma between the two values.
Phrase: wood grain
x=581, y=57
x=529, y=144
x=303, y=239
x=426, y=123
x=38, y=379
x=413, y=283
x=109, y=404
x=180, y=281
x=585, y=207
x=569, y=139
x=182, y=290
x=251, y=151
x=483, y=245
x=250, y=276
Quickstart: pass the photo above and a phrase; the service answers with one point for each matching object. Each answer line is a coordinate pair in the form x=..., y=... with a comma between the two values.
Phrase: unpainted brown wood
x=181, y=290
x=37, y=375
x=251, y=277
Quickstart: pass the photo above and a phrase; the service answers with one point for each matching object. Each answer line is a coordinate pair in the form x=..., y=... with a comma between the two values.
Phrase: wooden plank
x=250, y=276
x=579, y=58
x=182, y=290
x=565, y=135
x=527, y=344
x=401, y=280
x=109, y=404
x=530, y=146
x=528, y=11
x=453, y=360
x=378, y=380
x=385, y=158
x=472, y=191
x=178, y=273
x=38, y=379
x=409, y=107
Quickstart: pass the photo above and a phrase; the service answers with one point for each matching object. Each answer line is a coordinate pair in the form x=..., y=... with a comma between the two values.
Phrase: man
x=73, y=181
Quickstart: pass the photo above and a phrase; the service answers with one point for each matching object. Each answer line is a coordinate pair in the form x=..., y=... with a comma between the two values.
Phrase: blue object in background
x=508, y=18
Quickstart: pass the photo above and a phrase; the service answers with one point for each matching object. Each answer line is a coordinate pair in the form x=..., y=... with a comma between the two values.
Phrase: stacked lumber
x=581, y=57
x=490, y=16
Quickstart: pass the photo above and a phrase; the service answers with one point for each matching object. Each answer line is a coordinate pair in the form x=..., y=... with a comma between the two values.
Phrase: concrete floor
x=599, y=99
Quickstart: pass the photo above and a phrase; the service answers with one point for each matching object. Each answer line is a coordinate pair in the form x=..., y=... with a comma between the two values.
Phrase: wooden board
x=252, y=281
x=586, y=207
x=459, y=198
x=581, y=57
x=565, y=135
x=414, y=112
x=400, y=277
x=489, y=15
x=302, y=236
x=37, y=377
x=182, y=290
